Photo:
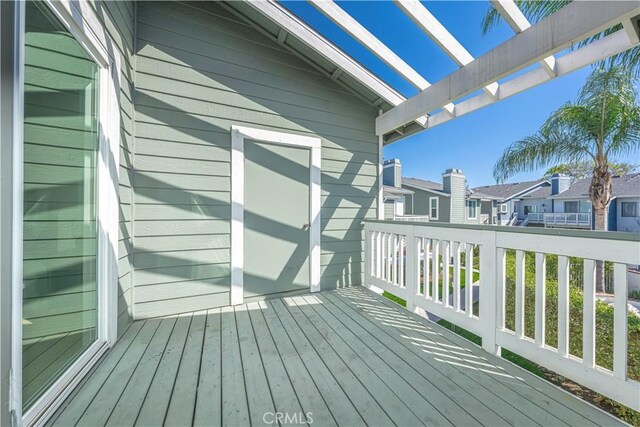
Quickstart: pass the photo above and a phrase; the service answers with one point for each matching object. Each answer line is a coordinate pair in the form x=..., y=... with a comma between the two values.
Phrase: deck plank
x=368, y=408
x=128, y=406
x=100, y=408
x=183, y=398
x=396, y=374
x=76, y=404
x=154, y=408
x=310, y=394
x=378, y=384
x=235, y=408
x=209, y=400
x=553, y=402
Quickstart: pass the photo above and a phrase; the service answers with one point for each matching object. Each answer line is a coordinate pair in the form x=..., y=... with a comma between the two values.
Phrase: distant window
x=571, y=207
x=630, y=209
x=504, y=208
x=473, y=209
x=433, y=207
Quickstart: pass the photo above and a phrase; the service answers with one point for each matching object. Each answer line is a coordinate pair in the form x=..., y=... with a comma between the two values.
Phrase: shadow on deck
x=345, y=357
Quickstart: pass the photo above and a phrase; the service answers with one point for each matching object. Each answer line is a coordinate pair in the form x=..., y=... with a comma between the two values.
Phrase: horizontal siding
x=200, y=70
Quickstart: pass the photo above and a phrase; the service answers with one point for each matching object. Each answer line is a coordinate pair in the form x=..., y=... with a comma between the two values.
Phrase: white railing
x=418, y=218
x=567, y=220
x=485, y=219
x=412, y=261
x=535, y=217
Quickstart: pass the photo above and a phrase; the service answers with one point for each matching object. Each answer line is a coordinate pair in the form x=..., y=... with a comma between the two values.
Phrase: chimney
x=455, y=183
x=392, y=173
x=559, y=183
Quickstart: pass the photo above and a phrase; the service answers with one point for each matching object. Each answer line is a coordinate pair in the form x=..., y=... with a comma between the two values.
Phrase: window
x=473, y=209
x=629, y=209
x=504, y=208
x=531, y=209
x=433, y=207
x=571, y=207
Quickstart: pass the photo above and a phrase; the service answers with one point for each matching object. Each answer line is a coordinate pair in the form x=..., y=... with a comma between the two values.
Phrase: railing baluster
x=501, y=286
x=456, y=275
x=389, y=255
x=540, y=298
x=468, y=289
x=620, y=321
x=589, y=317
x=427, y=267
x=563, y=305
x=435, y=268
x=446, y=257
x=519, y=293
x=394, y=260
x=401, y=247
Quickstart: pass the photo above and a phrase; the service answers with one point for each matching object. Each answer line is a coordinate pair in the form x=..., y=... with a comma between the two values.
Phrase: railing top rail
x=605, y=235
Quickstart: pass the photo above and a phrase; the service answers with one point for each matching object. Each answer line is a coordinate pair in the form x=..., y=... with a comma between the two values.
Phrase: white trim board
x=238, y=136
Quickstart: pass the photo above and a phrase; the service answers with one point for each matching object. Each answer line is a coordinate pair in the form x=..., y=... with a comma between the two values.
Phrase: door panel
x=276, y=218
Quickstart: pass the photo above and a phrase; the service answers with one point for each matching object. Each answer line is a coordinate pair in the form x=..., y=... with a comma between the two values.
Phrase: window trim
x=437, y=208
x=475, y=209
x=83, y=23
x=504, y=208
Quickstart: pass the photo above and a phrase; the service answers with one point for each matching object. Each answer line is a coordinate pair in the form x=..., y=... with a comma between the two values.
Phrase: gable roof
x=539, y=193
x=424, y=185
x=621, y=186
x=507, y=191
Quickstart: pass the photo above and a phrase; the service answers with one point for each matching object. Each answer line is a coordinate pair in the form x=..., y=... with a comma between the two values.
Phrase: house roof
x=507, y=191
x=424, y=185
x=621, y=186
x=539, y=193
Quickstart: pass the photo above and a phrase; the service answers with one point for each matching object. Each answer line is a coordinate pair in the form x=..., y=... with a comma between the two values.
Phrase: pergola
x=439, y=102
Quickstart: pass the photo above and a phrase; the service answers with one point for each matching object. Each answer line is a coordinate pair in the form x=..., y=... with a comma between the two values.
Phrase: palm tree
x=535, y=10
x=602, y=124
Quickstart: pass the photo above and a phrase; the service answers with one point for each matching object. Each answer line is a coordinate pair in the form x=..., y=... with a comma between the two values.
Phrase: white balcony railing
x=411, y=261
x=535, y=217
x=582, y=220
x=416, y=218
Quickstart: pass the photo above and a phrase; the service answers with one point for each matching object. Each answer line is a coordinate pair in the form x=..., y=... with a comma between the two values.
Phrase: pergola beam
x=518, y=22
x=437, y=32
x=574, y=22
x=596, y=51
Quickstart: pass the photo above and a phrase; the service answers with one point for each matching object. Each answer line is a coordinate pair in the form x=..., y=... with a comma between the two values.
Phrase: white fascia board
x=596, y=51
x=518, y=23
x=572, y=23
x=437, y=32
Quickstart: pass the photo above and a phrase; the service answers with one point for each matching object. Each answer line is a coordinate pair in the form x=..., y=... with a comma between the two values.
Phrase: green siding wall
x=119, y=19
x=200, y=70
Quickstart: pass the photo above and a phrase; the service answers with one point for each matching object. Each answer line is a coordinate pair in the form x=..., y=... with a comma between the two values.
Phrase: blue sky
x=472, y=142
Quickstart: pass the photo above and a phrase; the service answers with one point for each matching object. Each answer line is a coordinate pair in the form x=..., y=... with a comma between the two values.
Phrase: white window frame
x=504, y=208
x=475, y=203
x=437, y=208
x=238, y=136
x=83, y=23
x=622, y=215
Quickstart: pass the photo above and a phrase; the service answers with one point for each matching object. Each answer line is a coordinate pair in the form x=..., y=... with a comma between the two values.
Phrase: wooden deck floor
x=343, y=357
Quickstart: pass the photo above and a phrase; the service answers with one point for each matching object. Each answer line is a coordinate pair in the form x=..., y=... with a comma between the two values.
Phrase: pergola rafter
x=430, y=25
x=573, y=23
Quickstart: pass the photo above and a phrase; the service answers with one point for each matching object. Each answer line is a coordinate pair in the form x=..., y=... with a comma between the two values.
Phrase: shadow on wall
x=183, y=115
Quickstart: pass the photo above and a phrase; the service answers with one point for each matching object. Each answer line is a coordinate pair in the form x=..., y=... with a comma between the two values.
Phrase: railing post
x=488, y=292
x=411, y=277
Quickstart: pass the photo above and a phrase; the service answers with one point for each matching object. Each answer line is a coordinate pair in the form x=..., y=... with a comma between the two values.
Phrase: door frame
x=83, y=23
x=238, y=136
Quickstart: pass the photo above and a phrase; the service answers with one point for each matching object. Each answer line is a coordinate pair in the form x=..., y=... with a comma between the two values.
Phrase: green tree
x=536, y=10
x=584, y=169
x=603, y=123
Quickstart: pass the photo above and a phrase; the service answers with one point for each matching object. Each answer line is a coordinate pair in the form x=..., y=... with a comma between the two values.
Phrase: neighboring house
x=508, y=196
x=624, y=208
x=449, y=201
